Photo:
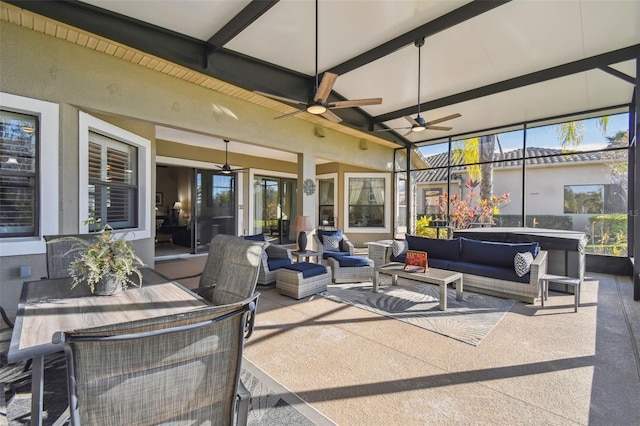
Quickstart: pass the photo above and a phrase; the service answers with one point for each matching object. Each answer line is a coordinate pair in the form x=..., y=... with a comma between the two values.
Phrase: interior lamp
x=302, y=224
x=177, y=205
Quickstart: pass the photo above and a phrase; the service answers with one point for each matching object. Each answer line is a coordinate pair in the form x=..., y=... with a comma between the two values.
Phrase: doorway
x=207, y=206
x=275, y=208
x=214, y=209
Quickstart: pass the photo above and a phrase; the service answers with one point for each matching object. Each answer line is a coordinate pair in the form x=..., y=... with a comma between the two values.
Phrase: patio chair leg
x=242, y=406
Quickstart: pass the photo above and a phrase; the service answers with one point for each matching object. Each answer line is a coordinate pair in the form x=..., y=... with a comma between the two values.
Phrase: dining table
x=48, y=306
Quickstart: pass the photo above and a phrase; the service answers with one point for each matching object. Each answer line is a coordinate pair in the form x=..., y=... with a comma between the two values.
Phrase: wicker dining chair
x=178, y=369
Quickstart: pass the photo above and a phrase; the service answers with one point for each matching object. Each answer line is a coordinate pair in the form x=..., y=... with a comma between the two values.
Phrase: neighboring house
x=576, y=185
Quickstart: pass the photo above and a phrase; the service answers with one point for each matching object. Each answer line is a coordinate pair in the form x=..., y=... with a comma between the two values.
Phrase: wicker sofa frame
x=524, y=292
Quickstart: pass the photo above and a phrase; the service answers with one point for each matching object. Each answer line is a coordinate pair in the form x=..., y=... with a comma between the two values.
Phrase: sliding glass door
x=275, y=208
x=214, y=207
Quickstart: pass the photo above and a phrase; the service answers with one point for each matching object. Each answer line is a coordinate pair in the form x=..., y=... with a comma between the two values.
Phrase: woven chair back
x=177, y=369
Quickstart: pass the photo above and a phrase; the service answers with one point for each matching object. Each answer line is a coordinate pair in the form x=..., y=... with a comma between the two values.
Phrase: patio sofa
x=487, y=267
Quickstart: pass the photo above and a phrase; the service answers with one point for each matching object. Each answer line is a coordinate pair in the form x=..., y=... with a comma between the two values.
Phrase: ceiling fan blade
x=439, y=128
x=392, y=130
x=289, y=114
x=280, y=98
x=331, y=116
x=440, y=120
x=411, y=120
x=355, y=103
x=408, y=133
x=328, y=80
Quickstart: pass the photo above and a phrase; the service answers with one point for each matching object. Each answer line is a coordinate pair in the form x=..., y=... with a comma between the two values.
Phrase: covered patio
x=539, y=365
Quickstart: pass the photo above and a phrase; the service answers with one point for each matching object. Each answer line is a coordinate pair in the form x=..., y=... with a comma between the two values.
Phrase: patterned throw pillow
x=399, y=247
x=331, y=243
x=522, y=263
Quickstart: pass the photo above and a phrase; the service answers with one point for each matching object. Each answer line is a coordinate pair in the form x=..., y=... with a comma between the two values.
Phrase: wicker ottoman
x=292, y=283
x=350, y=269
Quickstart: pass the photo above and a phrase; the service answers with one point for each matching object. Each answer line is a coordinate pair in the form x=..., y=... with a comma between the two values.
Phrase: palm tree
x=571, y=133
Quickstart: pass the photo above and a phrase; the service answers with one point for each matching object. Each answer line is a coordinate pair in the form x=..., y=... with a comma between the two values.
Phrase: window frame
x=387, y=203
x=47, y=202
x=88, y=123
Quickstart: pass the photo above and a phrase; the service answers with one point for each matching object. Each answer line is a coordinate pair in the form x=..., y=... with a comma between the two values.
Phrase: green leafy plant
x=106, y=257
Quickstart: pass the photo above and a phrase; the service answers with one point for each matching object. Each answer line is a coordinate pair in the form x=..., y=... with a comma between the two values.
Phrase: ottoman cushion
x=351, y=261
x=307, y=269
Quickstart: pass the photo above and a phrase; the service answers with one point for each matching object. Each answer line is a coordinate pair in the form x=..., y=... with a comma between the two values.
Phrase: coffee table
x=440, y=277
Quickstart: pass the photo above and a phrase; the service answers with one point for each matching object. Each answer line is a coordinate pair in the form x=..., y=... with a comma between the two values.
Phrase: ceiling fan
x=226, y=168
x=317, y=103
x=419, y=124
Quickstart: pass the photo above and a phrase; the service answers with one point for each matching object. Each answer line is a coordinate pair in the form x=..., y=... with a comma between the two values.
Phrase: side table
x=301, y=256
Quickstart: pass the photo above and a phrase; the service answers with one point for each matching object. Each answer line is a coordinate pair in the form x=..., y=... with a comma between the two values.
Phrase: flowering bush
x=464, y=212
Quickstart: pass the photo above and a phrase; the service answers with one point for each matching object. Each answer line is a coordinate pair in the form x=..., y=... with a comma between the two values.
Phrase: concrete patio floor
x=539, y=365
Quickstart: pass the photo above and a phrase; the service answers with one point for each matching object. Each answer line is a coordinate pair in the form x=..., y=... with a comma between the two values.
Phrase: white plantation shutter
x=112, y=182
x=18, y=177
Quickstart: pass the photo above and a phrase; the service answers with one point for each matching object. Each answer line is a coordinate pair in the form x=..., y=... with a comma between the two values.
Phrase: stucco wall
x=135, y=98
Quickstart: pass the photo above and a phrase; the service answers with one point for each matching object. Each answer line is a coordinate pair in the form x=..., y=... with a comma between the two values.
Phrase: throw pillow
x=331, y=243
x=399, y=247
x=522, y=263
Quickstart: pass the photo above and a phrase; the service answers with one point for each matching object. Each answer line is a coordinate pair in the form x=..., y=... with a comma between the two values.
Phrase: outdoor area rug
x=271, y=403
x=468, y=321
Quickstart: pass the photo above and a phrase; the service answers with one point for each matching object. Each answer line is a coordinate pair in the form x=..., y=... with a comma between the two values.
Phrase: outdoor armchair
x=323, y=240
x=177, y=369
x=273, y=258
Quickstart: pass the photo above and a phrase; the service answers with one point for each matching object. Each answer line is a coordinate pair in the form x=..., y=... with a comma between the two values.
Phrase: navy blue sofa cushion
x=436, y=248
x=336, y=254
x=400, y=258
x=494, y=254
x=489, y=271
x=307, y=269
x=256, y=237
x=277, y=263
x=347, y=261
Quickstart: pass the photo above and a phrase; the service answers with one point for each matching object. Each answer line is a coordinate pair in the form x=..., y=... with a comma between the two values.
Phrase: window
x=29, y=133
x=594, y=199
x=326, y=212
x=112, y=182
x=366, y=202
x=432, y=201
x=18, y=174
x=114, y=178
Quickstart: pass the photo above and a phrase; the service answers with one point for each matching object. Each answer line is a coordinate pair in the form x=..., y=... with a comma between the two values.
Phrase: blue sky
x=547, y=136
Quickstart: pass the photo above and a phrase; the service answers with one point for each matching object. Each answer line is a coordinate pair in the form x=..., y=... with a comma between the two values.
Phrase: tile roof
x=437, y=171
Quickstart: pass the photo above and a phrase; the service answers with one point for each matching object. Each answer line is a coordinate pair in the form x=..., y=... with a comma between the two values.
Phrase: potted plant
x=105, y=264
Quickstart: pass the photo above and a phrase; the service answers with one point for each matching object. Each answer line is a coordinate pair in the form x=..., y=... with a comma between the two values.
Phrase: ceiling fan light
x=316, y=109
x=226, y=172
x=418, y=128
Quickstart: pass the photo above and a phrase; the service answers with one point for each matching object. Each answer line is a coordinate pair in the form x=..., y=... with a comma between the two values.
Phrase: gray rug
x=271, y=403
x=468, y=321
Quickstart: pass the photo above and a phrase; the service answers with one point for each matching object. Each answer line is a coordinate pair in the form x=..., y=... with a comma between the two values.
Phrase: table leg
x=443, y=296
x=459, y=289
x=37, y=387
x=376, y=277
x=394, y=279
